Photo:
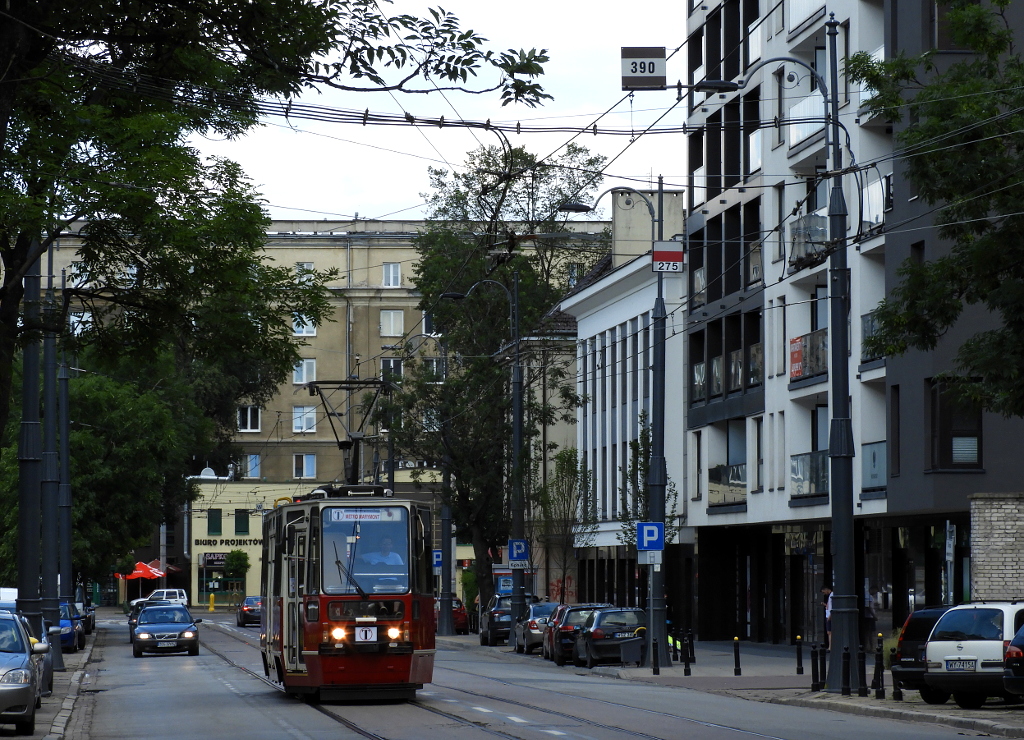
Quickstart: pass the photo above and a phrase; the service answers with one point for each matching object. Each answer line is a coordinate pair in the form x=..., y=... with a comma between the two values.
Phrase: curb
x=58, y=727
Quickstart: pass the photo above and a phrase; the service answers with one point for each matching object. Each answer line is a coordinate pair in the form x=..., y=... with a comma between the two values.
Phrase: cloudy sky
x=312, y=170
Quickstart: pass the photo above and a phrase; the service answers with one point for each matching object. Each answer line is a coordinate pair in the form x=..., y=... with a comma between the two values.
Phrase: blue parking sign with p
x=650, y=536
x=518, y=550
x=437, y=558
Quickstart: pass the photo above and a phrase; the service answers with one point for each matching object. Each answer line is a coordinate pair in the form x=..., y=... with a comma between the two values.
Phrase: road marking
x=553, y=732
x=517, y=719
x=481, y=709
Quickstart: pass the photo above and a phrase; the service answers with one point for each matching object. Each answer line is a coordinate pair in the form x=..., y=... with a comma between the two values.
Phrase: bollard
x=736, y=656
x=799, y=656
x=686, y=661
x=862, y=670
x=655, y=663
x=211, y=603
x=879, y=670
x=897, y=692
x=845, y=691
x=690, y=646
x=823, y=665
x=815, y=683
x=675, y=646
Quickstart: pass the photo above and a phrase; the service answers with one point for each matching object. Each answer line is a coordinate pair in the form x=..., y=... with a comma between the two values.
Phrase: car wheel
x=73, y=648
x=26, y=726
x=39, y=701
x=492, y=638
x=194, y=650
x=589, y=656
x=483, y=637
x=559, y=657
x=969, y=700
x=934, y=696
x=136, y=652
x=528, y=649
x=576, y=659
x=81, y=640
x=520, y=648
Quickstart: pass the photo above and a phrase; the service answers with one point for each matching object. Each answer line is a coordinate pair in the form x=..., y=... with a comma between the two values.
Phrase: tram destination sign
x=643, y=68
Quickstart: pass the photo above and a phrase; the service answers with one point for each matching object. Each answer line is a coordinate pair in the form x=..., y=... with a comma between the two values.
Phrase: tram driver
x=384, y=555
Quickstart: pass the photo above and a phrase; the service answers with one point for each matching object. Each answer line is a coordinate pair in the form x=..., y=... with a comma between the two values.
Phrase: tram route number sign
x=366, y=634
x=668, y=257
x=643, y=68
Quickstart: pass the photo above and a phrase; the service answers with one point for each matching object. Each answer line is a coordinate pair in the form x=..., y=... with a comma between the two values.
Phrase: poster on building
x=796, y=357
x=214, y=559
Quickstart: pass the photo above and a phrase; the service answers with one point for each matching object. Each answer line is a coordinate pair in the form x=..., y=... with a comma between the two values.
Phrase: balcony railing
x=807, y=118
x=869, y=327
x=873, y=201
x=716, y=376
x=736, y=370
x=698, y=382
x=754, y=141
x=808, y=474
x=697, y=96
x=873, y=466
x=808, y=236
x=801, y=10
x=727, y=484
x=755, y=364
x=808, y=355
x=700, y=185
x=867, y=92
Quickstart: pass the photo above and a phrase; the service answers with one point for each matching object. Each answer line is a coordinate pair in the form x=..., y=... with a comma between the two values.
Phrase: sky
x=314, y=170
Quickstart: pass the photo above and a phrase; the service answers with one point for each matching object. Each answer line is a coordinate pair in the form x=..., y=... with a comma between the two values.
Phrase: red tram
x=348, y=595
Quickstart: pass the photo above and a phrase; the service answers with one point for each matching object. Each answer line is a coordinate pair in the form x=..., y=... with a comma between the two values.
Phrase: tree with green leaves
x=964, y=154
x=236, y=564
x=479, y=219
x=97, y=102
x=565, y=515
x=634, y=496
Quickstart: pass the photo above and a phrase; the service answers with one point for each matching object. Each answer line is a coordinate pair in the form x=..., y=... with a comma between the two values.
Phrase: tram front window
x=365, y=550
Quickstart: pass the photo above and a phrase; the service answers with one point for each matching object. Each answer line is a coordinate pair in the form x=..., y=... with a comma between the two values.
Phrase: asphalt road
x=475, y=695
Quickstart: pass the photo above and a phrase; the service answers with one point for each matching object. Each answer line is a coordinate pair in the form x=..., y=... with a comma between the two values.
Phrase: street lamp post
x=840, y=443
x=657, y=473
x=518, y=503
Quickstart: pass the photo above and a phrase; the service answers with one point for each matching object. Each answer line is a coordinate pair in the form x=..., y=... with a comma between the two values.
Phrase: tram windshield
x=365, y=550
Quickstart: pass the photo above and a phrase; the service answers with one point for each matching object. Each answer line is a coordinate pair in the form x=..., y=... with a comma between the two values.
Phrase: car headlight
x=17, y=675
x=65, y=630
x=188, y=634
x=143, y=636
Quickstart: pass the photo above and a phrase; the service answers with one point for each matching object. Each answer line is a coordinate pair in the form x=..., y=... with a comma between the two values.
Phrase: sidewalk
x=768, y=674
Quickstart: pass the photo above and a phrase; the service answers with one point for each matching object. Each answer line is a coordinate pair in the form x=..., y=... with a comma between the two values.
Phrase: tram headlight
x=394, y=632
x=338, y=633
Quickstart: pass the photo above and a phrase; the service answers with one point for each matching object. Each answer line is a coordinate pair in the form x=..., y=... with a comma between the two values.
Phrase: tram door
x=296, y=539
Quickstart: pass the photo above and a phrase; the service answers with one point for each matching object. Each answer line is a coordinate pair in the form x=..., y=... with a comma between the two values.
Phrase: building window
x=392, y=323
x=304, y=465
x=303, y=272
x=894, y=431
x=241, y=521
x=391, y=369
x=433, y=368
x=574, y=271
x=428, y=325
x=304, y=372
x=248, y=418
x=251, y=466
x=213, y=525
x=392, y=274
x=955, y=431
x=303, y=326
x=303, y=419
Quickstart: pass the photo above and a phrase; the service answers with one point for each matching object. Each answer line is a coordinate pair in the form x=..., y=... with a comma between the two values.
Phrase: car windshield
x=10, y=637
x=969, y=624
x=542, y=610
x=365, y=550
x=65, y=612
x=160, y=616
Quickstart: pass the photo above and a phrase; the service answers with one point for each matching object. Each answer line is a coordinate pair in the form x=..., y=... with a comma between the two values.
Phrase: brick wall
x=997, y=546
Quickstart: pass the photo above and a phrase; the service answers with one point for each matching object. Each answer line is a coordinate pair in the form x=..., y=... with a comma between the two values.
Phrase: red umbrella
x=142, y=570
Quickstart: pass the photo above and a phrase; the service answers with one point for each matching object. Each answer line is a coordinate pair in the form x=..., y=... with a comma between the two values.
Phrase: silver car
x=20, y=670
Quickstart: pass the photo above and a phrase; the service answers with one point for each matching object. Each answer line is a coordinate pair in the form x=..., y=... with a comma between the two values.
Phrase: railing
x=700, y=285
x=755, y=364
x=873, y=466
x=700, y=185
x=808, y=235
x=727, y=484
x=736, y=370
x=869, y=327
x=872, y=205
x=808, y=355
x=755, y=34
x=698, y=382
x=806, y=118
x=754, y=139
x=808, y=474
x=716, y=376
x=801, y=10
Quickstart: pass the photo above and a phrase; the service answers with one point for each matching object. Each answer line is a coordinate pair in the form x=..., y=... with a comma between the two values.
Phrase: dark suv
x=496, y=620
x=908, y=664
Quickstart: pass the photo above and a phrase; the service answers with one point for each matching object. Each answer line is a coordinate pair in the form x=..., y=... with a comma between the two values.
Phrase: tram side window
x=365, y=550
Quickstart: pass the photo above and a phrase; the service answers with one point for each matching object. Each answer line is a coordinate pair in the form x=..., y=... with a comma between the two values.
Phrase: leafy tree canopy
x=964, y=153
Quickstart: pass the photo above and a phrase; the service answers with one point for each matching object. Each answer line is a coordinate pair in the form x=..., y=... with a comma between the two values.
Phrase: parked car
x=249, y=611
x=86, y=609
x=72, y=631
x=496, y=621
x=529, y=631
x=563, y=640
x=166, y=629
x=908, y=663
x=173, y=595
x=965, y=650
x=133, y=615
x=550, y=628
x=1013, y=665
x=604, y=631
x=460, y=618
x=20, y=688
x=50, y=636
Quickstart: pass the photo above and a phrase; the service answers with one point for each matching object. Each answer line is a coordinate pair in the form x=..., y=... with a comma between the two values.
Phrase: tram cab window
x=364, y=550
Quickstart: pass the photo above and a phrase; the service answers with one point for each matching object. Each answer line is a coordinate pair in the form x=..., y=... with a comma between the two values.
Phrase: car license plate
x=366, y=634
x=166, y=644
x=623, y=634
x=961, y=665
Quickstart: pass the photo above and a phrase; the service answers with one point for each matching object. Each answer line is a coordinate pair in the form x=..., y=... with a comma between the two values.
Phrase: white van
x=173, y=595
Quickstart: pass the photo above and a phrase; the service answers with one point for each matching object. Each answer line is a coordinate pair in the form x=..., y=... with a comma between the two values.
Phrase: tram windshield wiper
x=343, y=573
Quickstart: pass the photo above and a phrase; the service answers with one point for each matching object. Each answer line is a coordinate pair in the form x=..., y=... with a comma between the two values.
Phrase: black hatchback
x=908, y=663
x=249, y=611
x=600, y=640
x=1013, y=665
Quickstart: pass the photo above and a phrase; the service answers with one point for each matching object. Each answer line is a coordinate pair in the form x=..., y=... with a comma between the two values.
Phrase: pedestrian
x=826, y=591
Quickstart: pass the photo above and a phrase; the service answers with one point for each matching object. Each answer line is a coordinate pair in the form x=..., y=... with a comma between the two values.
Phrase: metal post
x=799, y=656
x=822, y=665
x=736, y=656
x=844, y=599
x=64, y=489
x=690, y=647
x=897, y=692
x=815, y=681
x=862, y=674
x=655, y=663
x=518, y=504
x=30, y=461
x=846, y=671
x=50, y=554
x=444, y=617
